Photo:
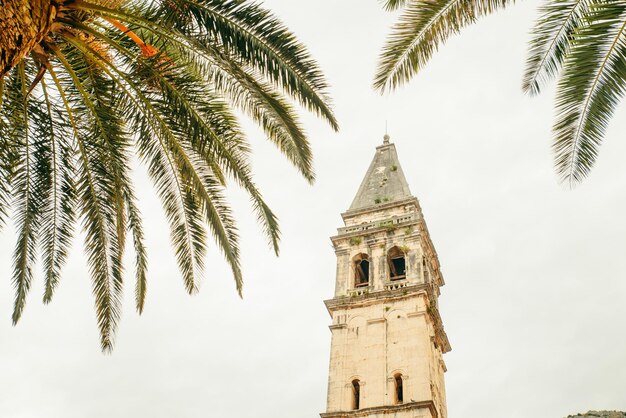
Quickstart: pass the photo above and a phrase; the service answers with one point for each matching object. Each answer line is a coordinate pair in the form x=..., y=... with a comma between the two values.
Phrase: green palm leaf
x=394, y=4
x=582, y=42
x=162, y=80
x=591, y=85
x=26, y=188
x=59, y=205
x=551, y=41
x=264, y=43
x=422, y=27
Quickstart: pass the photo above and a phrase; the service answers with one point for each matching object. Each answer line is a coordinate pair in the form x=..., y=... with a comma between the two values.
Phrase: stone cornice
x=389, y=409
x=367, y=299
x=381, y=225
x=382, y=206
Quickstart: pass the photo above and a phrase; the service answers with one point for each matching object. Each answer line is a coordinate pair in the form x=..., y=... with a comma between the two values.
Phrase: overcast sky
x=535, y=274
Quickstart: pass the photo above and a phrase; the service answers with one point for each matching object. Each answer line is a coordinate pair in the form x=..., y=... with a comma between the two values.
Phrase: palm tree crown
x=582, y=42
x=86, y=86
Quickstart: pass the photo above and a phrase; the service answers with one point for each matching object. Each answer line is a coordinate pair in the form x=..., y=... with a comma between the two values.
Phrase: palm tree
x=582, y=42
x=87, y=85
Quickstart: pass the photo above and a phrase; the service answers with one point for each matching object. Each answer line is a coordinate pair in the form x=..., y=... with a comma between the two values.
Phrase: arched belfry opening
x=396, y=263
x=399, y=389
x=356, y=394
x=361, y=265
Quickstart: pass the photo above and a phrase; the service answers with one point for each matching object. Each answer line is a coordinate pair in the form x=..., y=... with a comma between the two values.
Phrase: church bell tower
x=388, y=341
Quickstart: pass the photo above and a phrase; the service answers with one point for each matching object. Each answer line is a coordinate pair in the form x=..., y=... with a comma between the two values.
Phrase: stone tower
x=388, y=340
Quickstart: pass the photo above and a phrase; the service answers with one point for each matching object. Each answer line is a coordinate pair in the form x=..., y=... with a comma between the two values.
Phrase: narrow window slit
x=356, y=394
x=399, y=388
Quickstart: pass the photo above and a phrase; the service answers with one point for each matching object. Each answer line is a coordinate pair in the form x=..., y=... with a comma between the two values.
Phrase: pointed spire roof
x=384, y=181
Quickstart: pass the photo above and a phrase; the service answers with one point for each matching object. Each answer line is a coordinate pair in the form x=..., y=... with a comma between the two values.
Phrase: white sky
x=534, y=301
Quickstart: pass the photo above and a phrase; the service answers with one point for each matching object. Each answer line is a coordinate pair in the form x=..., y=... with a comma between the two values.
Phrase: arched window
x=398, y=386
x=361, y=270
x=356, y=394
x=396, y=263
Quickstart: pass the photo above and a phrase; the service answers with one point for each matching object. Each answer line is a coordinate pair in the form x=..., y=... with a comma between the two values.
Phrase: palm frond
x=263, y=42
x=592, y=83
x=423, y=26
x=98, y=196
x=291, y=141
x=59, y=212
x=26, y=189
x=141, y=257
x=166, y=80
x=164, y=157
x=552, y=36
x=268, y=108
x=225, y=143
x=390, y=5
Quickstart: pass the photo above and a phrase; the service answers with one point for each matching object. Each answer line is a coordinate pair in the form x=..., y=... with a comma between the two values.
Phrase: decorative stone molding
x=396, y=285
x=392, y=377
x=388, y=409
x=360, y=291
